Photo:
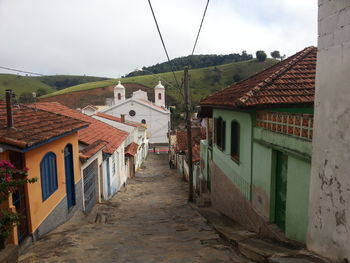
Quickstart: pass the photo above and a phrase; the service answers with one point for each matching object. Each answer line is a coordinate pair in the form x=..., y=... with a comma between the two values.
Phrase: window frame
x=220, y=133
x=48, y=178
x=235, y=137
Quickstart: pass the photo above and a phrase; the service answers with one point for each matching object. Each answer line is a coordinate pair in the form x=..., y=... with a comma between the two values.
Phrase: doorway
x=281, y=189
x=69, y=169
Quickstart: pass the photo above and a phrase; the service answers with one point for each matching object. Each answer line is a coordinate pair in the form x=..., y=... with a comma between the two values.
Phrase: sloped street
x=148, y=221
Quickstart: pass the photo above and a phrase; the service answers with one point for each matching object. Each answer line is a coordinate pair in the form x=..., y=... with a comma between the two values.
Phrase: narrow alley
x=148, y=221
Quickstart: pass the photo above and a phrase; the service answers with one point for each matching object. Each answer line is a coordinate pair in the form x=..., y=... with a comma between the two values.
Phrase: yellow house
x=46, y=144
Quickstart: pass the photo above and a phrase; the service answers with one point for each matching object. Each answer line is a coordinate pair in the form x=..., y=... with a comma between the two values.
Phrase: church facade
x=139, y=108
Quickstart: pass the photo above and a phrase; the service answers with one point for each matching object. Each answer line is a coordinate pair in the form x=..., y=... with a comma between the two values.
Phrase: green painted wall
x=293, y=144
x=298, y=185
x=263, y=180
x=238, y=173
x=295, y=110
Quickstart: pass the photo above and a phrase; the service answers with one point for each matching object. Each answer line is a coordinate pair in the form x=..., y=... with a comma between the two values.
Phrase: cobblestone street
x=148, y=221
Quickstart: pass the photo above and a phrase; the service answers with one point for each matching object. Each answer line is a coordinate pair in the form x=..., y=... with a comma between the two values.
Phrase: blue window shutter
x=48, y=175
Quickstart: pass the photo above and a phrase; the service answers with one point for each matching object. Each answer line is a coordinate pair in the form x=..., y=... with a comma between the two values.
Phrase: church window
x=132, y=113
x=159, y=96
x=143, y=121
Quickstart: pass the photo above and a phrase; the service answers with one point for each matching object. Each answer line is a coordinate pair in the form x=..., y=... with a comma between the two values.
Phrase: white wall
x=329, y=212
x=99, y=158
x=156, y=121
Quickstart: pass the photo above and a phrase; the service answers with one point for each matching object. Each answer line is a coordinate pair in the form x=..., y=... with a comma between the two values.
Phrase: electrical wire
x=199, y=31
x=165, y=49
x=22, y=71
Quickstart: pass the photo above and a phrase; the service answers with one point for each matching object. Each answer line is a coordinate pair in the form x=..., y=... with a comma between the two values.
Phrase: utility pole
x=189, y=134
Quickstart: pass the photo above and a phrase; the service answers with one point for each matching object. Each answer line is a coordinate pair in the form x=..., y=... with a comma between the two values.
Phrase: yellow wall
x=37, y=208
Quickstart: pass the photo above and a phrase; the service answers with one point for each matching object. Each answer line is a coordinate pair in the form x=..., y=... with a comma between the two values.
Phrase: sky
x=110, y=38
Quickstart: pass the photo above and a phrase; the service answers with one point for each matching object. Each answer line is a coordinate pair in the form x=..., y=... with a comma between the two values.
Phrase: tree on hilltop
x=276, y=54
x=261, y=55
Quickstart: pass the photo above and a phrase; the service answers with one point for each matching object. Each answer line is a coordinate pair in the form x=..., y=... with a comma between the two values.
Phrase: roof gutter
x=23, y=150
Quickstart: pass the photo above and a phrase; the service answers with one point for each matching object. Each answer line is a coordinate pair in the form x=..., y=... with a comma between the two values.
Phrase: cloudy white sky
x=113, y=37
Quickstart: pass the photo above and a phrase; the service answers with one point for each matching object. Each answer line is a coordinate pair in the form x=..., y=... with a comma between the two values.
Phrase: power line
x=22, y=71
x=199, y=31
x=166, y=51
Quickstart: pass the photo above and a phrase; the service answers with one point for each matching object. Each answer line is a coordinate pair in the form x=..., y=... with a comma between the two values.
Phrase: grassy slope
x=64, y=81
x=203, y=81
x=20, y=84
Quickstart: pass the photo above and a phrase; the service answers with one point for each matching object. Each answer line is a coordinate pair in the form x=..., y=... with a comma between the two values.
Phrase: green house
x=258, y=161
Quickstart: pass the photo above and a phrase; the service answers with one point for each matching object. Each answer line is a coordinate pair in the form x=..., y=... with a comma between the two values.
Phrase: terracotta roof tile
x=113, y=118
x=33, y=126
x=92, y=149
x=97, y=130
x=198, y=134
x=131, y=149
x=196, y=153
x=292, y=81
x=151, y=104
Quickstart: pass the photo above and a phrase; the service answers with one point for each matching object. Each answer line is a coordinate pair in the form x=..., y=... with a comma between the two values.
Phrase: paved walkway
x=148, y=221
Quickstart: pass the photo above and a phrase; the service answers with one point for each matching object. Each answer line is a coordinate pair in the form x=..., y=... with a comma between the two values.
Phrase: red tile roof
x=151, y=104
x=97, y=130
x=181, y=138
x=292, y=81
x=92, y=149
x=131, y=149
x=113, y=118
x=33, y=126
x=196, y=153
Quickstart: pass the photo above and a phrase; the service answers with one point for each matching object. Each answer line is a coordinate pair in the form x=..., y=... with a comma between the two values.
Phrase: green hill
x=203, y=81
x=59, y=82
x=20, y=84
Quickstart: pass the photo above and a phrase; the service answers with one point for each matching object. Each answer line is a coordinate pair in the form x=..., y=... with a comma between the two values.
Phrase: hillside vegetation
x=195, y=61
x=59, y=82
x=20, y=84
x=203, y=81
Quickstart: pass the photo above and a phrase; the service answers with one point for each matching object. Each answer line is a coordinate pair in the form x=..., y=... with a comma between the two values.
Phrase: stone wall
x=329, y=213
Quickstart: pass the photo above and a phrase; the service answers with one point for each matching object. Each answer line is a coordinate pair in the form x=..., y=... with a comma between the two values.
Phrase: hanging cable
x=22, y=71
x=165, y=49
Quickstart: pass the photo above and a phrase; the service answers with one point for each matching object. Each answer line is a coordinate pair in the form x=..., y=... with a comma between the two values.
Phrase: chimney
x=122, y=116
x=9, y=108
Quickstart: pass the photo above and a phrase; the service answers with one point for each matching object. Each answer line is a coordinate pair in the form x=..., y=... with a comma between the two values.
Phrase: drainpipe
x=9, y=108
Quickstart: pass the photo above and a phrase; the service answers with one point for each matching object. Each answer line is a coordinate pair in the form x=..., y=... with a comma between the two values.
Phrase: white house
x=137, y=136
x=139, y=108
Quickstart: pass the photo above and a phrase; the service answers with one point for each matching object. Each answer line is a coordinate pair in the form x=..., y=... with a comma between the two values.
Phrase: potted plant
x=10, y=179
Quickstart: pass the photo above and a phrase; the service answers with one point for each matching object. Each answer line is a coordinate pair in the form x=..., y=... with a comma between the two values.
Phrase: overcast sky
x=113, y=37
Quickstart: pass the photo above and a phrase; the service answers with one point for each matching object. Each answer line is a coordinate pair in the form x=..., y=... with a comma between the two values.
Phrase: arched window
x=220, y=133
x=235, y=140
x=159, y=96
x=48, y=175
x=143, y=121
x=119, y=96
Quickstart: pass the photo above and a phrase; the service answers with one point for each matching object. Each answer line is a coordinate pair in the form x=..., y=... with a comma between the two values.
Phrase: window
x=235, y=140
x=220, y=133
x=119, y=96
x=48, y=175
x=132, y=113
x=159, y=96
x=143, y=121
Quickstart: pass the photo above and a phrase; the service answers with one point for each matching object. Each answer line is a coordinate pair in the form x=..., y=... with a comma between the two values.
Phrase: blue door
x=68, y=164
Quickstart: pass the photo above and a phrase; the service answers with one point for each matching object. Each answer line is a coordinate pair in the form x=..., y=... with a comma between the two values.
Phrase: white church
x=140, y=109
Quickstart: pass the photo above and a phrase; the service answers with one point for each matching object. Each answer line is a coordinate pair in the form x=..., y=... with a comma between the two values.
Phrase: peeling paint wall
x=329, y=213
